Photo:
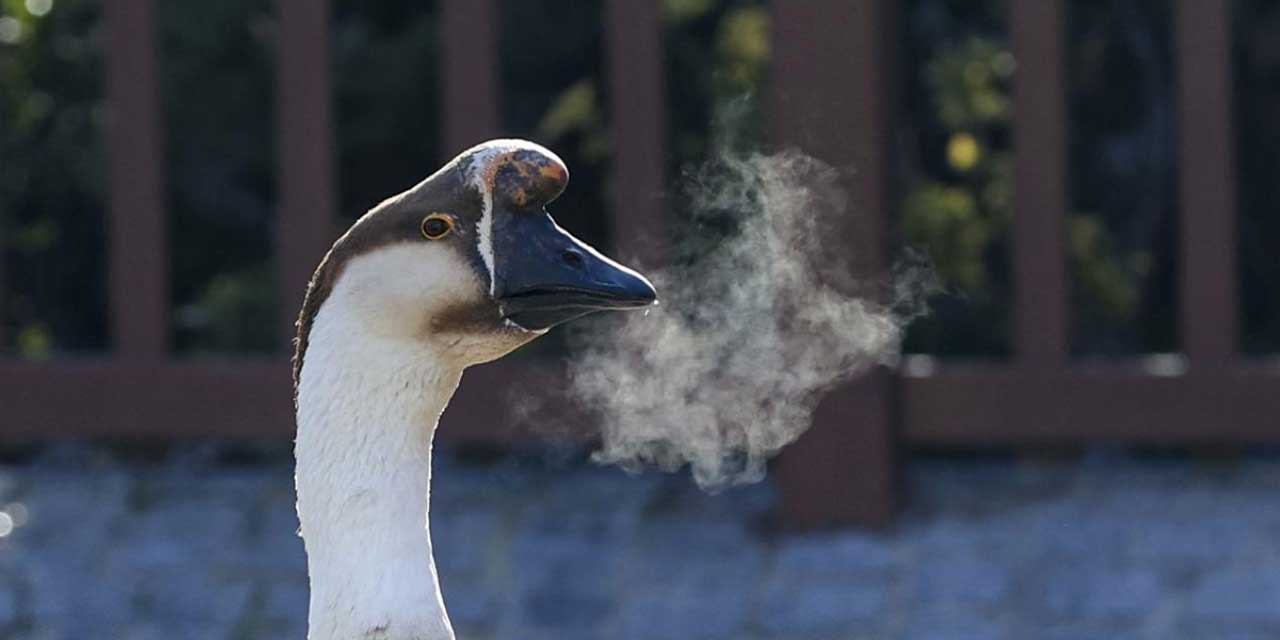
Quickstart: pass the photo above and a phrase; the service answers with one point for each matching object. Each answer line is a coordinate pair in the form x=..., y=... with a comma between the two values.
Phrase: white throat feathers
x=375, y=381
x=368, y=405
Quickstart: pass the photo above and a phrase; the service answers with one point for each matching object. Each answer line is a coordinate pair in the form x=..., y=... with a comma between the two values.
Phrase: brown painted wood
x=637, y=111
x=237, y=399
x=304, y=116
x=973, y=405
x=1209, y=300
x=136, y=229
x=1003, y=406
x=4, y=305
x=832, y=97
x=1040, y=195
x=469, y=32
x=128, y=399
x=486, y=408
x=842, y=470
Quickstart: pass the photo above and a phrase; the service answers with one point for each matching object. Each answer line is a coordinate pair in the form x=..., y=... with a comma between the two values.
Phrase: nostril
x=572, y=258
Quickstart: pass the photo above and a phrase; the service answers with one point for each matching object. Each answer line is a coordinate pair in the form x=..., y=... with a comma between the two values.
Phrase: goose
x=459, y=270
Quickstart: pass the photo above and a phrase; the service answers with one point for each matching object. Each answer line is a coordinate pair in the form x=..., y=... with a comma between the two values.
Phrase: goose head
x=458, y=270
x=469, y=261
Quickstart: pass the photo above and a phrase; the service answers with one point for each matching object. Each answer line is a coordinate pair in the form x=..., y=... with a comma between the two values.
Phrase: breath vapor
x=759, y=316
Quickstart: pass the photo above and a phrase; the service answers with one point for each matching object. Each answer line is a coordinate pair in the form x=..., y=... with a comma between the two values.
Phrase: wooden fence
x=832, y=94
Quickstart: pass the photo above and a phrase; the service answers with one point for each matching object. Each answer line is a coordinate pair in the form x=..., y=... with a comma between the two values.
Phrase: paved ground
x=192, y=546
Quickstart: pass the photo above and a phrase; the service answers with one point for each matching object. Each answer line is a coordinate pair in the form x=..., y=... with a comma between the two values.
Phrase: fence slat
x=637, y=108
x=1040, y=195
x=1206, y=181
x=470, y=35
x=4, y=305
x=304, y=115
x=136, y=236
x=832, y=98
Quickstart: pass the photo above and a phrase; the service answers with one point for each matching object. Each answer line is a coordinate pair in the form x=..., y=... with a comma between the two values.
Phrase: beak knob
x=528, y=178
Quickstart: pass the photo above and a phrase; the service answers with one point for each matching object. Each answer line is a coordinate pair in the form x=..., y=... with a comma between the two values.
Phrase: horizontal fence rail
x=994, y=405
x=227, y=399
x=833, y=95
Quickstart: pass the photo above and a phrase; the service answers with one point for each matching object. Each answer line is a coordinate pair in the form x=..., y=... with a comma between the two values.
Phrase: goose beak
x=544, y=276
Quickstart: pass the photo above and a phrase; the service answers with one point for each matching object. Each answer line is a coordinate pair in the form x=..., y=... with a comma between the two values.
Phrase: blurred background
x=1078, y=441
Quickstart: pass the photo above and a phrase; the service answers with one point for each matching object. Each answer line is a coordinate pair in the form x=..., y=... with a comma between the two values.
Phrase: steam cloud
x=758, y=318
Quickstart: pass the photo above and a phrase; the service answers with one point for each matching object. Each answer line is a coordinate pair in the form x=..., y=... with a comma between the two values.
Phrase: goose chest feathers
x=460, y=269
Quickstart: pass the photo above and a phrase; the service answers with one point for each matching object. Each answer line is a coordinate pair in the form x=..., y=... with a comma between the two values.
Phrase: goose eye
x=436, y=226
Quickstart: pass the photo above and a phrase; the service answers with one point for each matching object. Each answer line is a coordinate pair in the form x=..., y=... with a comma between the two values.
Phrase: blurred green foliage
x=956, y=183
x=386, y=83
x=553, y=92
x=955, y=171
x=52, y=177
x=1257, y=127
x=217, y=91
x=717, y=62
x=954, y=152
x=717, y=57
x=1122, y=143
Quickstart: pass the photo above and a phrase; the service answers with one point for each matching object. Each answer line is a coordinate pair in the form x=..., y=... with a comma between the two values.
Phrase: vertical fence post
x=139, y=264
x=833, y=98
x=1040, y=195
x=470, y=73
x=637, y=108
x=304, y=115
x=1206, y=182
x=4, y=316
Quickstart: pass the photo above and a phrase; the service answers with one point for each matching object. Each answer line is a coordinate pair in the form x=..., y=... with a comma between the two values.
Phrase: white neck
x=367, y=410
